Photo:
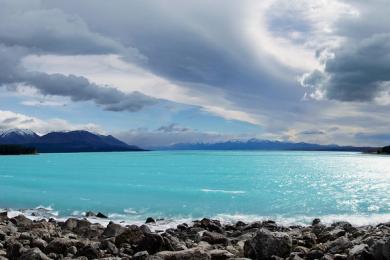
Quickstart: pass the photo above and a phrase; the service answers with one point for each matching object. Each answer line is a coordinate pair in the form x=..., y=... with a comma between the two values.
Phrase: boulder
x=59, y=246
x=113, y=230
x=101, y=215
x=219, y=254
x=14, y=249
x=189, y=254
x=150, y=220
x=131, y=235
x=22, y=222
x=39, y=243
x=214, y=238
x=142, y=255
x=266, y=244
x=33, y=254
x=3, y=216
x=90, y=251
x=89, y=214
x=359, y=252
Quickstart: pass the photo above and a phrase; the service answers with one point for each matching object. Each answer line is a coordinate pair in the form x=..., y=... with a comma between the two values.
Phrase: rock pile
x=22, y=238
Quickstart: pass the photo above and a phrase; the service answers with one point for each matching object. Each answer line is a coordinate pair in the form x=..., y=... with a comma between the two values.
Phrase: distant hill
x=256, y=144
x=384, y=150
x=72, y=141
x=13, y=149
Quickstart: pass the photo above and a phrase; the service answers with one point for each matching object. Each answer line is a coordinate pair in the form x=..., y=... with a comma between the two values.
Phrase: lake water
x=290, y=187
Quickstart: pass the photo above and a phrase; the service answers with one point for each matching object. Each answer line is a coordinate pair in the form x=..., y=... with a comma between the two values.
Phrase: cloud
x=9, y=120
x=28, y=28
x=169, y=135
x=77, y=88
x=312, y=132
x=359, y=68
x=172, y=128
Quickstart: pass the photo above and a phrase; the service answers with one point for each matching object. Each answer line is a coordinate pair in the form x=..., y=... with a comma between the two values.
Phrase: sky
x=155, y=73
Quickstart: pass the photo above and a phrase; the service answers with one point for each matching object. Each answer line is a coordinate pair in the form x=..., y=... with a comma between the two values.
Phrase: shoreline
x=78, y=238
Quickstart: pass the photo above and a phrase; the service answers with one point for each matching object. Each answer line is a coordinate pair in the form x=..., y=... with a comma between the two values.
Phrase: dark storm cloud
x=80, y=89
x=75, y=87
x=25, y=29
x=359, y=69
x=189, y=42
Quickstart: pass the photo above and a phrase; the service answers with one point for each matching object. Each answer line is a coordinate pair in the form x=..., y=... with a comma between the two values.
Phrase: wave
x=224, y=191
x=124, y=219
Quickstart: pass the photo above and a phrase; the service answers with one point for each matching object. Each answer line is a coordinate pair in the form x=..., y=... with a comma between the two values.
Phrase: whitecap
x=224, y=191
x=130, y=211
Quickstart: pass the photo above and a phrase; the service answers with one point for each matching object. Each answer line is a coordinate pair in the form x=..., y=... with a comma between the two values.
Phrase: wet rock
x=131, y=235
x=210, y=225
x=150, y=220
x=214, y=238
x=33, y=254
x=315, y=221
x=113, y=230
x=101, y=215
x=89, y=214
x=22, y=222
x=266, y=244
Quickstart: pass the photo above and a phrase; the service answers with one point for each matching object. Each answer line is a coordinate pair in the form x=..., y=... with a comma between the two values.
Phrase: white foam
x=224, y=191
x=130, y=211
x=46, y=212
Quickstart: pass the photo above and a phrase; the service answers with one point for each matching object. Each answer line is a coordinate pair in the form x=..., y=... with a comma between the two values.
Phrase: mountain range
x=84, y=141
x=72, y=141
x=256, y=144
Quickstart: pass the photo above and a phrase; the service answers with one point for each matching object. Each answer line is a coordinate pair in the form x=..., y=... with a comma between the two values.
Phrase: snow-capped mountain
x=72, y=141
x=18, y=136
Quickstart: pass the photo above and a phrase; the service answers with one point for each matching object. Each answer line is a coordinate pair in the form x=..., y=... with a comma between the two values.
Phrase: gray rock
x=142, y=255
x=22, y=222
x=219, y=254
x=131, y=235
x=189, y=254
x=39, y=243
x=214, y=238
x=266, y=244
x=14, y=249
x=90, y=251
x=34, y=254
x=113, y=230
x=339, y=245
x=358, y=252
x=59, y=246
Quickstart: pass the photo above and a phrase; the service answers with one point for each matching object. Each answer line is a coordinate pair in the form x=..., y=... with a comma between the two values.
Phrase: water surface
x=287, y=186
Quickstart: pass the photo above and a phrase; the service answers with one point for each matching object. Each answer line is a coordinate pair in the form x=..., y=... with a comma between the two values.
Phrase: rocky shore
x=23, y=238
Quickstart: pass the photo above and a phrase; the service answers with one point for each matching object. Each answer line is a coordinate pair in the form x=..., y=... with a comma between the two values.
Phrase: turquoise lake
x=291, y=187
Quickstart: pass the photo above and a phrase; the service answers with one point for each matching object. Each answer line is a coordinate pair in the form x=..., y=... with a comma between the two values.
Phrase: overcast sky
x=166, y=71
